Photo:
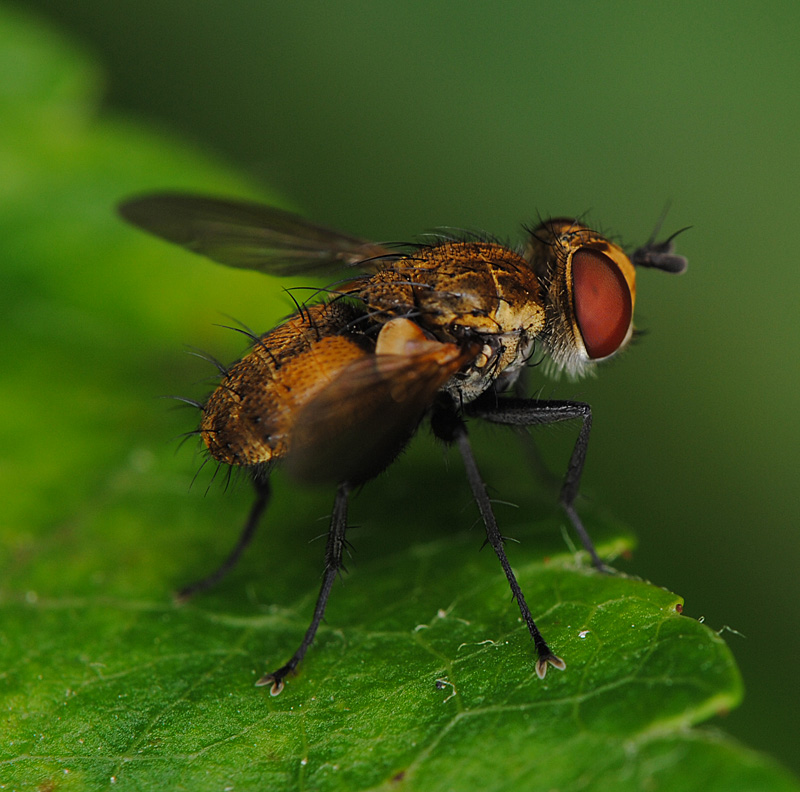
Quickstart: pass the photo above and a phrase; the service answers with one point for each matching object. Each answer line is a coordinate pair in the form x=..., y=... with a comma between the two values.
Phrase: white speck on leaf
x=442, y=683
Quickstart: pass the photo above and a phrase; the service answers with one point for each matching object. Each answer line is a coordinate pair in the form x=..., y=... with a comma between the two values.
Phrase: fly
x=439, y=331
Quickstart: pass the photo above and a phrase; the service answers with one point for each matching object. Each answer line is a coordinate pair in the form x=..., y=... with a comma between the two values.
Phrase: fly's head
x=589, y=291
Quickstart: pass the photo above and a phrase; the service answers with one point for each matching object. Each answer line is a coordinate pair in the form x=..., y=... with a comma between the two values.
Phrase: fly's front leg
x=449, y=427
x=531, y=412
x=262, y=499
x=334, y=551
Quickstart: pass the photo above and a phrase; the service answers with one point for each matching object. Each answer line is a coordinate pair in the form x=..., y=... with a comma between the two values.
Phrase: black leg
x=333, y=564
x=529, y=412
x=495, y=539
x=249, y=530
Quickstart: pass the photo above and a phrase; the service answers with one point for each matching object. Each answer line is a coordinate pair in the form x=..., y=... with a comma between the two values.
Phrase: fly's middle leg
x=532, y=412
x=449, y=427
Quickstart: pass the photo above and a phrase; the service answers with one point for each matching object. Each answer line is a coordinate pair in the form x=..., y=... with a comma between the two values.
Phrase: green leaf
x=422, y=677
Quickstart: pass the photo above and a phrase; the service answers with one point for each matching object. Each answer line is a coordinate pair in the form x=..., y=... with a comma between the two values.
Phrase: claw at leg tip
x=550, y=659
x=269, y=679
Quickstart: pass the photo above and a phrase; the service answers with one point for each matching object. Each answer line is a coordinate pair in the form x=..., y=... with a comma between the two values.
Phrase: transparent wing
x=250, y=235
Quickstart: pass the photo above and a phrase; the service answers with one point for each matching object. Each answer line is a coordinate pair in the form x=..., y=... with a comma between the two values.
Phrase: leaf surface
x=423, y=676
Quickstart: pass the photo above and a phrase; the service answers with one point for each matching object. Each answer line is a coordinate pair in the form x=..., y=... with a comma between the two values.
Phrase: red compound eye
x=602, y=302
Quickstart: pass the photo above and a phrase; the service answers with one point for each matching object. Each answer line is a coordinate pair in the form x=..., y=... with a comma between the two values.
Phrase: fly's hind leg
x=334, y=551
x=530, y=412
x=262, y=488
x=449, y=427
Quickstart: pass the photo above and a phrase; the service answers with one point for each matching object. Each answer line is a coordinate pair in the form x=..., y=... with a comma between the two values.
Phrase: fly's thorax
x=248, y=419
x=476, y=292
x=459, y=288
x=589, y=291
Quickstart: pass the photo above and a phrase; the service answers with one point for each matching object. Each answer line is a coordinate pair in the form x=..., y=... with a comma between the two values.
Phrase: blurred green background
x=388, y=119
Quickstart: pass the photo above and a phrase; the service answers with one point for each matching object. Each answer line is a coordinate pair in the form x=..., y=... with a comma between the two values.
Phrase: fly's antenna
x=661, y=255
